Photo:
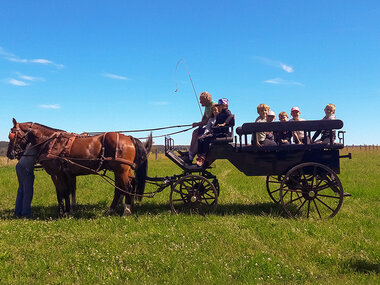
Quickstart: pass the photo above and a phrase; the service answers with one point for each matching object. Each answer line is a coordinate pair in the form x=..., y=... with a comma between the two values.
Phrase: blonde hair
x=206, y=95
x=262, y=107
x=282, y=114
x=332, y=106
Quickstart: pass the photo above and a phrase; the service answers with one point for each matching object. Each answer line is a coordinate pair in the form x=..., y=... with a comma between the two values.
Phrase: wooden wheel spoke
x=308, y=208
x=300, y=208
x=328, y=196
x=291, y=201
x=332, y=210
x=177, y=191
x=294, y=190
x=316, y=207
x=314, y=176
x=274, y=191
x=211, y=196
x=206, y=204
x=321, y=187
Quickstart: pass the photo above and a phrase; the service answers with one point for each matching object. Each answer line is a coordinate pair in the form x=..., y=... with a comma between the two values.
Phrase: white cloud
x=287, y=68
x=158, y=103
x=281, y=81
x=3, y=52
x=15, y=59
x=114, y=76
x=11, y=57
x=275, y=63
x=52, y=106
x=16, y=82
x=29, y=78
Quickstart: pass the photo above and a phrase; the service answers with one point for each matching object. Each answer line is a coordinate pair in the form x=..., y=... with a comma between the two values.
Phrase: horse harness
x=60, y=147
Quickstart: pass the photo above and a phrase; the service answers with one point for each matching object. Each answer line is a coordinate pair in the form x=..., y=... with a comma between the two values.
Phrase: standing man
x=25, y=176
x=206, y=101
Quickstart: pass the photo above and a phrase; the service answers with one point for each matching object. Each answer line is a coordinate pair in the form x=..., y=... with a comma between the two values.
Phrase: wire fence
x=361, y=147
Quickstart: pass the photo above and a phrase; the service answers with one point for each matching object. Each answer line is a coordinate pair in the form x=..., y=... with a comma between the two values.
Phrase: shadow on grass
x=259, y=209
x=91, y=211
x=363, y=266
x=82, y=211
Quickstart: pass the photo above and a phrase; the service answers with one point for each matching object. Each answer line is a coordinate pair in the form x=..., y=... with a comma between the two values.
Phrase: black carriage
x=303, y=178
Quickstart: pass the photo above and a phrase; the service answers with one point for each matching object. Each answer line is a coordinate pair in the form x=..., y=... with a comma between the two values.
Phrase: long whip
x=192, y=84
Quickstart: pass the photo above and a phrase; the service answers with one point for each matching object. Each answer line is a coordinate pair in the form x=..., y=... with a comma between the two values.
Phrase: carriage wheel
x=273, y=187
x=311, y=190
x=193, y=194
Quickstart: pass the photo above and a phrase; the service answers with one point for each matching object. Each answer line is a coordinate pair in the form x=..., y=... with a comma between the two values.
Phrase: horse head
x=19, y=137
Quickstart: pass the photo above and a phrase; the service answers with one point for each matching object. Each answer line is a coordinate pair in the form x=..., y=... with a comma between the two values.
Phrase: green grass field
x=247, y=241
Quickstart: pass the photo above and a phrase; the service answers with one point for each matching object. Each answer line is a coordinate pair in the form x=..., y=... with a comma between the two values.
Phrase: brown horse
x=65, y=155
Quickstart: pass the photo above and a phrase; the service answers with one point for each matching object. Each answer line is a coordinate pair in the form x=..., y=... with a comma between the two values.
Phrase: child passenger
x=217, y=126
x=225, y=117
x=283, y=137
x=298, y=136
x=261, y=139
x=330, y=115
x=270, y=118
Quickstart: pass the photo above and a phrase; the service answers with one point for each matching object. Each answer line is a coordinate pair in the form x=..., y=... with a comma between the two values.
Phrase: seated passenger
x=261, y=140
x=217, y=126
x=224, y=120
x=283, y=137
x=325, y=137
x=298, y=136
x=270, y=118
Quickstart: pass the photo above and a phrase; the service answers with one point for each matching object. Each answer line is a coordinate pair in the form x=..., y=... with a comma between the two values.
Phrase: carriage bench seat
x=223, y=134
x=306, y=126
x=291, y=147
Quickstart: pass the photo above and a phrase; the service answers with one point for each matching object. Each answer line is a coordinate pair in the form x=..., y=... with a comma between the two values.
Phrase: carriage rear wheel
x=193, y=194
x=311, y=190
x=273, y=183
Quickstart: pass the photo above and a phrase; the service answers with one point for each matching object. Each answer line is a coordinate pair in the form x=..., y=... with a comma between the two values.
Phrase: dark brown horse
x=65, y=155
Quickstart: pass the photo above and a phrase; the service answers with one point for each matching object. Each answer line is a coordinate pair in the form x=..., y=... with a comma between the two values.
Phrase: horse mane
x=46, y=127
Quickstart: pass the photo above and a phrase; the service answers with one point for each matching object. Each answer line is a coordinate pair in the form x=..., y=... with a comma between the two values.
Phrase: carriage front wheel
x=193, y=194
x=273, y=183
x=311, y=190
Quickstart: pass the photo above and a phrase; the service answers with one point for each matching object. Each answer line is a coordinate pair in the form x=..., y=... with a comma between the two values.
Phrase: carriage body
x=297, y=175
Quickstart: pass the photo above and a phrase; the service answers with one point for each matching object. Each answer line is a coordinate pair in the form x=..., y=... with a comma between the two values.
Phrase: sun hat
x=295, y=109
x=223, y=101
x=271, y=113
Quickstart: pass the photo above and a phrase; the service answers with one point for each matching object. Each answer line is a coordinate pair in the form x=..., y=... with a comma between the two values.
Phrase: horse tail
x=141, y=161
x=148, y=144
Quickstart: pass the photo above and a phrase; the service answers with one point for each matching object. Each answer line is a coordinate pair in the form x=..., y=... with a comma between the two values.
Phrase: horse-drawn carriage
x=302, y=178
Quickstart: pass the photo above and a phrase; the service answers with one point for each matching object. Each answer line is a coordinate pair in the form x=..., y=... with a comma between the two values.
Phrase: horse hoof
x=127, y=212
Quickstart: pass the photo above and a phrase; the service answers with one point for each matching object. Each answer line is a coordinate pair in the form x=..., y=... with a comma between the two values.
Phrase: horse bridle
x=15, y=134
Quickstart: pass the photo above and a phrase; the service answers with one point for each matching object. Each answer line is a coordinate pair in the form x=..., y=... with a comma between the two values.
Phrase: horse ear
x=14, y=122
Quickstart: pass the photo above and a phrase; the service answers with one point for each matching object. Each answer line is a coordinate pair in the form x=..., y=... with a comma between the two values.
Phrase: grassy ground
x=247, y=241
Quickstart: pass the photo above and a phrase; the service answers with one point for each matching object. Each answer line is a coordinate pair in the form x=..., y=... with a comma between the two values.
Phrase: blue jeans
x=25, y=191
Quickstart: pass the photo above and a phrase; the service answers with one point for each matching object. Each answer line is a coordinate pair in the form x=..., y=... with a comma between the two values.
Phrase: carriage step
x=179, y=161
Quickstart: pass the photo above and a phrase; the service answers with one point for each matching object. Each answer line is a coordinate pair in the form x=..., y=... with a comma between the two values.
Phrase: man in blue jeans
x=25, y=176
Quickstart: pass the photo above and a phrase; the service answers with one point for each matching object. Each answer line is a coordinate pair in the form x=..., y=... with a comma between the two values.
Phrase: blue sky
x=110, y=65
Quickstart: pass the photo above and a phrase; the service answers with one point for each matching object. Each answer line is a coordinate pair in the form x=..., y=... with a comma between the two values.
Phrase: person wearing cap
x=298, y=136
x=222, y=119
x=261, y=137
x=225, y=117
x=205, y=99
x=270, y=118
